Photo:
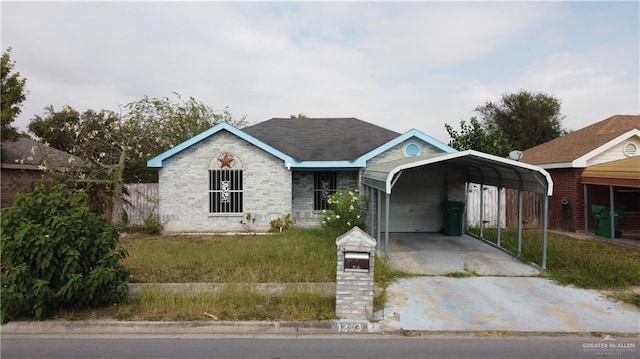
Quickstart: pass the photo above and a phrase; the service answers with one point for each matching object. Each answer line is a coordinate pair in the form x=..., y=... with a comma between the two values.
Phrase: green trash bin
x=452, y=213
x=603, y=220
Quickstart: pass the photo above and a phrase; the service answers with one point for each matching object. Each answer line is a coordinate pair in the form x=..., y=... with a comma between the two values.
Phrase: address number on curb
x=350, y=327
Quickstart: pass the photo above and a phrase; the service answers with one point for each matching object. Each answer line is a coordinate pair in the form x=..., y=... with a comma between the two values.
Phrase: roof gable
x=586, y=142
x=407, y=135
x=158, y=161
x=312, y=143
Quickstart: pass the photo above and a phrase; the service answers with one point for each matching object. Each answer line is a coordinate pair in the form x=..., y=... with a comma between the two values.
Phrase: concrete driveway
x=436, y=254
x=504, y=295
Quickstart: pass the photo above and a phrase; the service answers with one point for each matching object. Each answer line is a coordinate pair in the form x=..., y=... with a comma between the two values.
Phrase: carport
x=623, y=173
x=445, y=176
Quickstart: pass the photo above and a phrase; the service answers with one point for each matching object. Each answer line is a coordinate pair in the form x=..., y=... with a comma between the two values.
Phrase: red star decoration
x=225, y=160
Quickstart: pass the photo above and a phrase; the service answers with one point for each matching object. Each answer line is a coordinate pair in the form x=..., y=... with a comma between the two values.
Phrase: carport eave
x=536, y=179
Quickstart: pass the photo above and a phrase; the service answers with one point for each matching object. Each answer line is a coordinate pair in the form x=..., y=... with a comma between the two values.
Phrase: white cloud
x=399, y=65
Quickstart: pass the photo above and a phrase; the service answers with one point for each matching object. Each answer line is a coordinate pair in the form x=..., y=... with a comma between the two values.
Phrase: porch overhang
x=477, y=167
x=621, y=173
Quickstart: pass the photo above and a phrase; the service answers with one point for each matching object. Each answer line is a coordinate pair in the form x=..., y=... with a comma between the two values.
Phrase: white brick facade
x=270, y=189
x=184, y=186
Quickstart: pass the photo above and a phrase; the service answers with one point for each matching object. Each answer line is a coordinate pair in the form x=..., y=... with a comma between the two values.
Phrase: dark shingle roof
x=321, y=139
x=578, y=143
x=25, y=151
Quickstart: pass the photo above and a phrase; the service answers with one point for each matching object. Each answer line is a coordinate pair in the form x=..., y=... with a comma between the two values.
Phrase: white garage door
x=415, y=204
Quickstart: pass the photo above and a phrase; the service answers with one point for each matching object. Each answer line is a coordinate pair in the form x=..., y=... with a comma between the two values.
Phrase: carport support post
x=482, y=211
x=499, y=208
x=545, y=222
x=586, y=208
x=379, y=215
x=386, y=229
x=520, y=219
x=611, y=213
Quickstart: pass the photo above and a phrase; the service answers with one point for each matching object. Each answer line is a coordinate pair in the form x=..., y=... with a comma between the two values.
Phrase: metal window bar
x=225, y=191
x=324, y=185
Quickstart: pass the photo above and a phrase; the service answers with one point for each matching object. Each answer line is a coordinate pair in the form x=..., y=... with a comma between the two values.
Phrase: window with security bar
x=324, y=185
x=225, y=191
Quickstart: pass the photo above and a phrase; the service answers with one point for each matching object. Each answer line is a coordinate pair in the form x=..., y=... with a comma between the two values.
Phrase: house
x=22, y=166
x=595, y=165
x=282, y=165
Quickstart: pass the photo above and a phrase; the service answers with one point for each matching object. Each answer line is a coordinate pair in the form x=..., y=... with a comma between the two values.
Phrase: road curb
x=149, y=327
x=254, y=328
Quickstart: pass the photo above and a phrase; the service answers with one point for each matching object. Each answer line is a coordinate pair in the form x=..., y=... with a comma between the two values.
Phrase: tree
x=114, y=148
x=300, y=115
x=474, y=136
x=13, y=94
x=49, y=124
x=526, y=119
x=519, y=121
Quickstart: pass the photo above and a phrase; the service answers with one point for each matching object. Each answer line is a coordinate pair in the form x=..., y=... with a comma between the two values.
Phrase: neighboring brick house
x=569, y=158
x=21, y=166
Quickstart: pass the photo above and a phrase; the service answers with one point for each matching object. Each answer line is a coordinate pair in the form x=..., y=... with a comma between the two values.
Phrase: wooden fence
x=532, y=207
x=141, y=201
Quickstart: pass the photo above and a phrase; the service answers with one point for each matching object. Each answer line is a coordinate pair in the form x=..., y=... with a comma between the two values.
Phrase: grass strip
x=584, y=263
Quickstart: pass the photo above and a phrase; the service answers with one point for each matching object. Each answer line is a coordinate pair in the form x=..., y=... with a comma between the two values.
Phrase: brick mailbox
x=354, y=280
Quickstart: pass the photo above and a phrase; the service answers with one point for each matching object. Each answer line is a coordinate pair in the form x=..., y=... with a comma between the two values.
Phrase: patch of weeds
x=631, y=298
x=232, y=303
x=411, y=333
x=459, y=274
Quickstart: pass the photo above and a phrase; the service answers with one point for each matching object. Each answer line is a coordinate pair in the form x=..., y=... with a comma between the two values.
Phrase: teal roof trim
x=158, y=160
x=398, y=140
x=361, y=162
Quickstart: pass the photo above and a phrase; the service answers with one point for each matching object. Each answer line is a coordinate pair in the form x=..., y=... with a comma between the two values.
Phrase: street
x=366, y=346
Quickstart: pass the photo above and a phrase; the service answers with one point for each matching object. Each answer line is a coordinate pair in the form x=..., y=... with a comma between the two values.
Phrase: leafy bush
x=281, y=223
x=348, y=210
x=57, y=254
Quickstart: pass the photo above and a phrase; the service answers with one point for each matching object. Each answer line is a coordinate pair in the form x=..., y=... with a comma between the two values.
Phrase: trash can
x=452, y=213
x=603, y=220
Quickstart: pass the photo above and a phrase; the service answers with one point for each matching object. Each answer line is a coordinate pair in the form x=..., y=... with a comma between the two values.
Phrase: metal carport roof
x=478, y=167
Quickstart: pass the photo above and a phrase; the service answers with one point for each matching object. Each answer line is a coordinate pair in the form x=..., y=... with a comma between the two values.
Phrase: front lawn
x=297, y=255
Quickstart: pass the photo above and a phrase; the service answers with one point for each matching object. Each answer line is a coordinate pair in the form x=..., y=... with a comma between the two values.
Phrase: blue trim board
x=157, y=161
x=361, y=162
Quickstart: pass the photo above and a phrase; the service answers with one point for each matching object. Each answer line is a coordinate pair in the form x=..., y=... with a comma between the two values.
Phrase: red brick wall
x=566, y=185
x=14, y=181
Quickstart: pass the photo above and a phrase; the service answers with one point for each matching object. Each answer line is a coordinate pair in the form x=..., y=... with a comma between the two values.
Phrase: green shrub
x=151, y=225
x=57, y=254
x=348, y=210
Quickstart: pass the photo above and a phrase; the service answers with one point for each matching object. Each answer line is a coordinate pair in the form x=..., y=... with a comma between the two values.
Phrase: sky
x=399, y=65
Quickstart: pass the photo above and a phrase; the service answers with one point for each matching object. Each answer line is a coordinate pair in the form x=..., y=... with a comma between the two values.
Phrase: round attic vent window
x=630, y=149
x=411, y=149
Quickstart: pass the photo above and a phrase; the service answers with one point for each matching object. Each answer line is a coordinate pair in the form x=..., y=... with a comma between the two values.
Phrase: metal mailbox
x=356, y=262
